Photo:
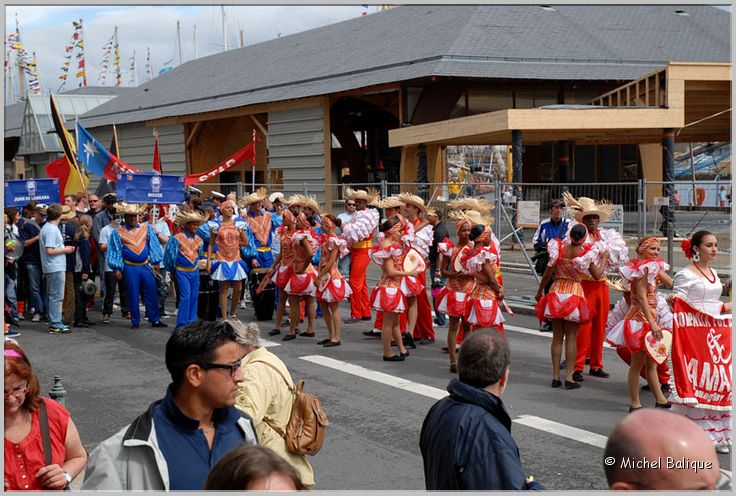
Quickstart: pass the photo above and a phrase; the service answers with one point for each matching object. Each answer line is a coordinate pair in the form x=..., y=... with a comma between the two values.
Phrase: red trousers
x=359, y=300
x=378, y=324
x=590, y=335
x=424, y=327
x=663, y=371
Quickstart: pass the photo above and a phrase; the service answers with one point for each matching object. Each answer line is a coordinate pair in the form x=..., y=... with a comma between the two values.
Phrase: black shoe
x=571, y=385
x=288, y=337
x=372, y=334
x=453, y=368
x=634, y=408
x=307, y=334
x=409, y=341
x=587, y=361
x=577, y=376
x=663, y=405
x=366, y=318
x=351, y=320
x=323, y=341
x=405, y=354
x=330, y=344
x=274, y=332
x=599, y=373
x=159, y=324
x=393, y=358
x=80, y=324
x=556, y=383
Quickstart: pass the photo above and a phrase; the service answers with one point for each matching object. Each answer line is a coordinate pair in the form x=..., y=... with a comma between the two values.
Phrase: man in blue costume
x=134, y=250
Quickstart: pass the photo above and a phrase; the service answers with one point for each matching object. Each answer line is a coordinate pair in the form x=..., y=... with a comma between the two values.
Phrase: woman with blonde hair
x=229, y=268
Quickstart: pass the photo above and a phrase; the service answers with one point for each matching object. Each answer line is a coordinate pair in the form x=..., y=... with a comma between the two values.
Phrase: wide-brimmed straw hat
x=184, y=217
x=368, y=195
x=278, y=196
x=311, y=202
x=473, y=216
x=296, y=200
x=258, y=195
x=390, y=202
x=618, y=284
x=409, y=199
x=67, y=213
x=123, y=208
x=477, y=204
x=583, y=206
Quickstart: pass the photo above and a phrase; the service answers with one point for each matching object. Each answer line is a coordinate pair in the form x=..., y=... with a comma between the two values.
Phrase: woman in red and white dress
x=301, y=285
x=642, y=274
x=482, y=309
x=388, y=296
x=565, y=304
x=453, y=298
x=282, y=266
x=331, y=287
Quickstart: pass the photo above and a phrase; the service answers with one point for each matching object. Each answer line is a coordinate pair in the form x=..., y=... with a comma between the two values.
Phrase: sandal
x=556, y=383
x=331, y=344
x=323, y=341
x=405, y=354
x=307, y=334
x=633, y=408
x=288, y=337
x=393, y=358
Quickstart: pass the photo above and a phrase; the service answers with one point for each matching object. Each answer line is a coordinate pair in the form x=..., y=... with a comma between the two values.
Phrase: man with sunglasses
x=174, y=444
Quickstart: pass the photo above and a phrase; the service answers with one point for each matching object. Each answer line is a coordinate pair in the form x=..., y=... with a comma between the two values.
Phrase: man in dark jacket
x=466, y=438
x=439, y=232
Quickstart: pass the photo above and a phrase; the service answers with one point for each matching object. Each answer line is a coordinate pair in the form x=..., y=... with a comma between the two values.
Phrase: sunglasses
x=351, y=204
x=230, y=367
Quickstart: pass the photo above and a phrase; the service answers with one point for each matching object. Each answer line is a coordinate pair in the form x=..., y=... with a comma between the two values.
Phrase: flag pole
x=253, y=168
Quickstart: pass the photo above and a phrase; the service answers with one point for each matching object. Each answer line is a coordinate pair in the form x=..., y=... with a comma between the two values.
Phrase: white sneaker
x=723, y=449
x=243, y=305
x=36, y=317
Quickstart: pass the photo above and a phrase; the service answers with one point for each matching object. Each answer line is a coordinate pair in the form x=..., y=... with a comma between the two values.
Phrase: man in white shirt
x=343, y=265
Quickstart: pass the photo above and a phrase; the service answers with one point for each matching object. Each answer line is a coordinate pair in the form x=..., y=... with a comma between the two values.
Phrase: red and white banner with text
x=236, y=158
x=701, y=358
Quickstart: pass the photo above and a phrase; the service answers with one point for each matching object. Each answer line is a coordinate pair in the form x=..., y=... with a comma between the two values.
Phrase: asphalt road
x=112, y=373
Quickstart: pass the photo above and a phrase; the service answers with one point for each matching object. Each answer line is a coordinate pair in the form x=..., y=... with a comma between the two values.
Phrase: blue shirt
x=51, y=238
x=549, y=230
x=117, y=252
x=31, y=254
x=184, y=446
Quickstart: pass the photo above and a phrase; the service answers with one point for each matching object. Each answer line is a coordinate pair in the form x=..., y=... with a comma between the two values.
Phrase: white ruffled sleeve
x=582, y=263
x=617, y=314
x=423, y=240
x=409, y=235
x=241, y=225
x=298, y=236
x=635, y=270
x=445, y=248
x=615, y=245
x=378, y=256
x=474, y=264
x=340, y=244
x=361, y=227
x=553, y=248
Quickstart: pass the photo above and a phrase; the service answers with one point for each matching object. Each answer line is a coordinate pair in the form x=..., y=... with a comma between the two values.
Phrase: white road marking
x=539, y=423
x=562, y=430
x=372, y=375
x=535, y=332
x=269, y=344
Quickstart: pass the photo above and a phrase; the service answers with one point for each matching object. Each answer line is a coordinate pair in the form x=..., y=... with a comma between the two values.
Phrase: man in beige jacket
x=264, y=393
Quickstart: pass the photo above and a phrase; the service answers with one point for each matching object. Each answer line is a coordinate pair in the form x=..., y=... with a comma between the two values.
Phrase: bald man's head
x=655, y=449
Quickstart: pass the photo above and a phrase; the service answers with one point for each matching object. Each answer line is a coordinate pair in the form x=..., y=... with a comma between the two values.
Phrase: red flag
x=59, y=168
x=701, y=357
x=236, y=158
x=156, y=156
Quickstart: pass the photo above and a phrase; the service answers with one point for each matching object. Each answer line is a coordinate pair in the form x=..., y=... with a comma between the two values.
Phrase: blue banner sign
x=146, y=187
x=19, y=193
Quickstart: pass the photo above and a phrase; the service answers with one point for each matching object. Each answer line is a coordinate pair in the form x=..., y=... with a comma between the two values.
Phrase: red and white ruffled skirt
x=282, y=275
x=302, y=284
x=482, y=309
x=413, y=285
x=388, y=299
x=570, y=307
x=336, y=290
x=453, y=303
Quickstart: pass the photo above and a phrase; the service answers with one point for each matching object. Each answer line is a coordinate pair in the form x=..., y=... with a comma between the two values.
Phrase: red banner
x=701, y=358
x=238, y=157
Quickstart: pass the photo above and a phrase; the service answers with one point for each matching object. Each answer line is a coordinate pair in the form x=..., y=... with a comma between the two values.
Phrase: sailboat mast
x=241, y=38
x=224, y=30
x=195, y=42
x=178, y=41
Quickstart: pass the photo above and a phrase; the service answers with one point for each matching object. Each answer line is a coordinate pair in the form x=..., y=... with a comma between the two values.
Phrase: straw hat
x=474, y=216
x=259, y=195
x=409, y=199
x=390, y=202
x=618, y=284
x=184, y=217
x=587, y=206
x=122, y=208
x=297, y=200
x=368, y=195
x=67, y=213
x=477, y=204
x=310, y=202
x=278, y=196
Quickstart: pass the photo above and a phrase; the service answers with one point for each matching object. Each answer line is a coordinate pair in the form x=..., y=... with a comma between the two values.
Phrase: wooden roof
x=692, y=98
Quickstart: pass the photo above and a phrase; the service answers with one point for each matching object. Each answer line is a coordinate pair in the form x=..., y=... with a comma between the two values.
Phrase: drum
x=263, y=302
x=413, y=261
x=208, y=301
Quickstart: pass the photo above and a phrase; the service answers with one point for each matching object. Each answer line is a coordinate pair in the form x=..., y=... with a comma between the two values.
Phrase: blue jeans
x=343, y=265
x=55, y=288
x=34, y=287
x=10, y=295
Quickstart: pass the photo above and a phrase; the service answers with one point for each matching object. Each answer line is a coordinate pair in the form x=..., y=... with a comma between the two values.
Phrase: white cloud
x=46, y=30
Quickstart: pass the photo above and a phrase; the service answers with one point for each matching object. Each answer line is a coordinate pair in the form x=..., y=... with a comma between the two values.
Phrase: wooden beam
x=327, y=143
x=193, y=134
x=258, y=125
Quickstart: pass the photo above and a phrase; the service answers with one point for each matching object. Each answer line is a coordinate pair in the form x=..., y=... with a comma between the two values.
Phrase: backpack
x=305, y=431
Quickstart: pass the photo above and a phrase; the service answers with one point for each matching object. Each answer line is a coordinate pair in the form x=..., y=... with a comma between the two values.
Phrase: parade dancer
x=482, y=309
x=388, y=296
x=228, y=268
x=301, y=284
x=391, y=207
x=281, y=270
x=591, y=335
x=565, y=304
x=331, y=287
x=452, y=300
x=642, y=274
x=181, y=259
x=262, y=226
x=618, y=314
x=134, y=251
x=419, y=313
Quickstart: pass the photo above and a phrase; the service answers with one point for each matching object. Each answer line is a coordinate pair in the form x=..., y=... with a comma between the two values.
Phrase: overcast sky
x=47, y=29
